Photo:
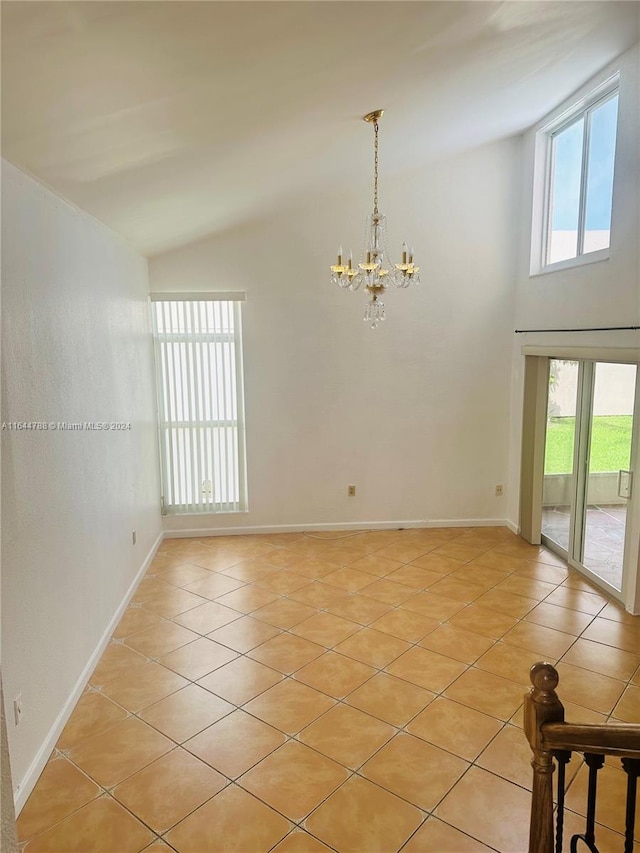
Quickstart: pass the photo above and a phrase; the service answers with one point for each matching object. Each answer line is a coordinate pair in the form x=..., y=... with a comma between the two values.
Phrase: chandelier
x=376, y=270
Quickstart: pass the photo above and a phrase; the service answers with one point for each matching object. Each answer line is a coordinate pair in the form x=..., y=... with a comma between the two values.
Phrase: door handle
x=625, y=479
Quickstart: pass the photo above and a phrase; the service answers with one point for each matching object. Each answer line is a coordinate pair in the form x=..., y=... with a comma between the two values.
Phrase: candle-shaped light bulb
x=340, y=256
x=411, y=255
x=368, y=257
x=404, y=253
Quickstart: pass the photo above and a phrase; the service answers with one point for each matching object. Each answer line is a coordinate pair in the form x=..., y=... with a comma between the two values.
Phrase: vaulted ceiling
x=172, y=120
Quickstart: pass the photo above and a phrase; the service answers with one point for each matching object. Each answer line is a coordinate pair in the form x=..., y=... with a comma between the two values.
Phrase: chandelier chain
x=375, y=169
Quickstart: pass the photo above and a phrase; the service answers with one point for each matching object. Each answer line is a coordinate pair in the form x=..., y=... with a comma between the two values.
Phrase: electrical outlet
x=17, y=708
x=352, y=491
x=134, y=537
x=499, y=490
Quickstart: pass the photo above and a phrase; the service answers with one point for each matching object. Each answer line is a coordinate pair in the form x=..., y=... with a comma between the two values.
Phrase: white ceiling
x=172, y=120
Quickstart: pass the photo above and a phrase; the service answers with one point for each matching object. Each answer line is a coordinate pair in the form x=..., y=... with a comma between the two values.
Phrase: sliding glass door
x=587, y=475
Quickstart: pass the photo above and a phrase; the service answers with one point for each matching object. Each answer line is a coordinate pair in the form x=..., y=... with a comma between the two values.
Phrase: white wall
x=414, y=413
x=76, y=347
x=606, y=293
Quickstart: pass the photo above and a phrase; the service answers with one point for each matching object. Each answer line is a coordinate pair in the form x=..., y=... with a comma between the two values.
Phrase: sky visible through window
x=567, y=193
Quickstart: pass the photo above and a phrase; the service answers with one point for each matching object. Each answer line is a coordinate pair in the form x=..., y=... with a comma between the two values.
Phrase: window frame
x=208, y=507
x=544, y=160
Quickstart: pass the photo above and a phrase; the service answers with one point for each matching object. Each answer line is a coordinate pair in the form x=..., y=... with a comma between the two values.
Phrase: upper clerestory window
x=579, y=149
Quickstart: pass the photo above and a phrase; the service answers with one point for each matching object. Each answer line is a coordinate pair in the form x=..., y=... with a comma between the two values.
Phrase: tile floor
x=360, y=693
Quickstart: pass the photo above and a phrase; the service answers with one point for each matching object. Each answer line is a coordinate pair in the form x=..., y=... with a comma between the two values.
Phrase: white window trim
x=550, y=127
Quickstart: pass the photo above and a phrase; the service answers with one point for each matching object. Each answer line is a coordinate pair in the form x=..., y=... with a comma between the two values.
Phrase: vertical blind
x=198, y=349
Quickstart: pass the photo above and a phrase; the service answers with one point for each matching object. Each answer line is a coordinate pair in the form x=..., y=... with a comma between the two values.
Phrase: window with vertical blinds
x=198, y=350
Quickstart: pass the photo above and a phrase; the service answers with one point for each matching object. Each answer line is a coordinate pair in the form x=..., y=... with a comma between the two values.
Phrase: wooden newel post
x=541, y=705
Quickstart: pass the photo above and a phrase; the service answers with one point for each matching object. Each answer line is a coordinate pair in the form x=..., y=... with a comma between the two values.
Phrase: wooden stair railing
x=551, y=737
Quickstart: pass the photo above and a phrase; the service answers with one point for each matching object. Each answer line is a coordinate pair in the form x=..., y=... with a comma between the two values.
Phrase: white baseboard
x=349, y=525
x=513, y=526
x=26, y=785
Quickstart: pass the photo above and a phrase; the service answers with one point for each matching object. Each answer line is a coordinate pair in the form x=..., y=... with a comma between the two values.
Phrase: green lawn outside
x=610, y=444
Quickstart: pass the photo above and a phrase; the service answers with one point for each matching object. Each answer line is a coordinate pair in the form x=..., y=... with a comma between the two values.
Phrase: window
x=198, y=348
x=579, y=185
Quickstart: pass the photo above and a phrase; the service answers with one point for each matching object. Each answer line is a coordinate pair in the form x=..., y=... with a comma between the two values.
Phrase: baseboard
x=26, y=785
x=349, y=525
x=513, y=526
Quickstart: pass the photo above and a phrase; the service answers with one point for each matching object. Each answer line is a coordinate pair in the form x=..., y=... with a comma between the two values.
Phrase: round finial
x=544, y=678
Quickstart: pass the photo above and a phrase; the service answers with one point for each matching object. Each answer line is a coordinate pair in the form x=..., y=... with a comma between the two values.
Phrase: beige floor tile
x=249, y=570
x=610, y=801
x=325, y=629
x=426, y=669
x=532, y=588
x=346, y=735
x=374, y=565
x=217, y=561
x=294, y=779
x=289, y=706
x=361, y=816
x=542, y=571
x=241, y=822
x=313, y=567
x=458, y=590
x=405, y=625
x=60, y=790
x=160, y=639
x=282, y=582
x=510, y=662
x=348, y=579
x=286, y=653
x=390, y=699
x=572, y=714
x=284, y=558
x=434, y=836
x=575, y=580
x=358, y=608
x=144, y=686
x=299, y=841
x=433, y=606
x=559, y=618
x=116, y=659
x=615, y=611
x=454, y=727
x=603, y=659
x=389, y=592
x=528, y=635
x=182, y=575
x=438, y=563
x=335, y=674
x=93, y=714
x=212, y=585
x=173, y=602
x=101, y=826
x=318, y=594
x=480, y=620
x=196, y=659
x=493, y=810
x=414, y=770
x=285, y=613
x=185, y=713
x=208, y=616
x=628, y=708
x=235, y=743
x=403, y=551
x=111, y=757
x=506, y=602
x=372, y=647
x=169, y=789
x=244, y=634
x=241, y=680
x=456, y=643
x=622, y=635
x=414, y=576
x=135, y=619
x=488, y=693
x=459, y=550
x=509, y=755
x=476, y=573
x=575, y=599
x=591, y=690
